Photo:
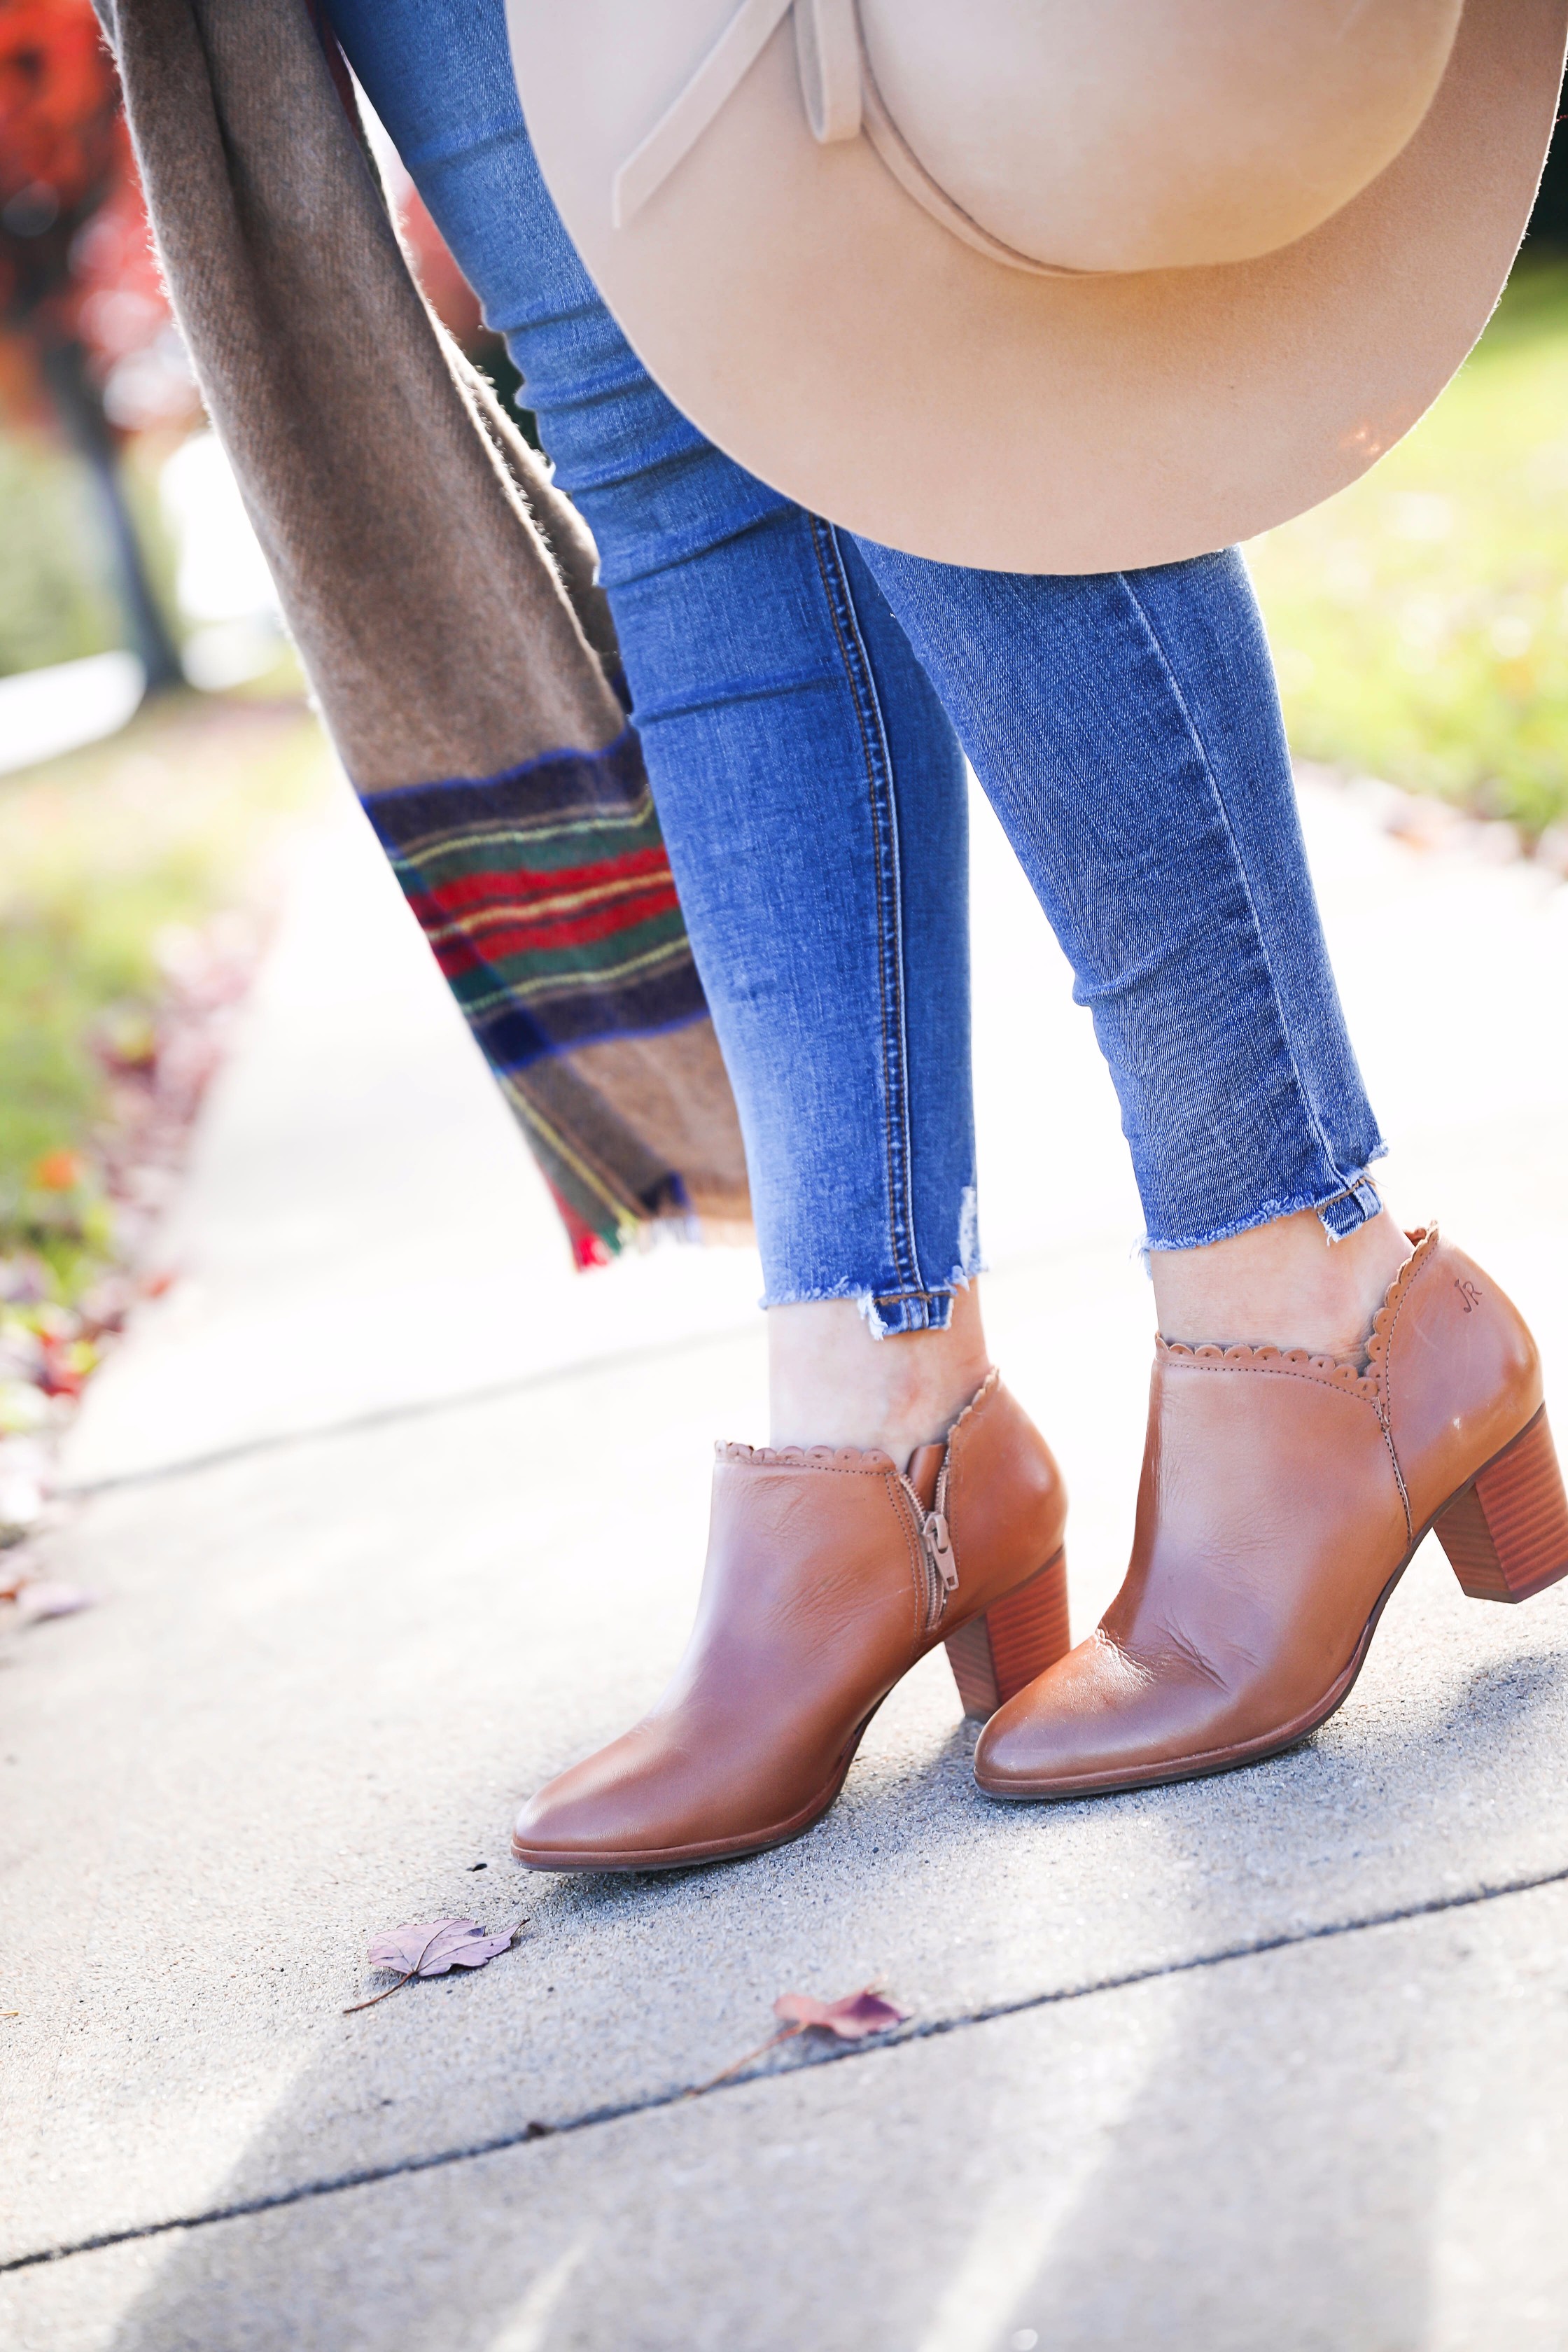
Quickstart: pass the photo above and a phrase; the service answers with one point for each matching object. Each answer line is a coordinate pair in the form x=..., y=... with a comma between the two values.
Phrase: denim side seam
x=912, y=1305
x=1353, y=1200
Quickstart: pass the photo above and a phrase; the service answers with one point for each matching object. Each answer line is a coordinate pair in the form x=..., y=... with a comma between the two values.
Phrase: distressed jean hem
x=890, y=1313
x=1340, y=1212
x=887, y=1314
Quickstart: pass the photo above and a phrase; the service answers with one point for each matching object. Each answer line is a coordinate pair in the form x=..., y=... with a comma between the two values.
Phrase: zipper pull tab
x=938, y=1544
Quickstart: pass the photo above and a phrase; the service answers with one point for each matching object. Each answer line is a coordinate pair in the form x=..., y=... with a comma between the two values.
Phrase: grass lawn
x=106, y=857
x=1420, y=619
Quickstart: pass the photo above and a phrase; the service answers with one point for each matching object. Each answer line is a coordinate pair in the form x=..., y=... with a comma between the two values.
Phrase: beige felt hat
x=1041, y=284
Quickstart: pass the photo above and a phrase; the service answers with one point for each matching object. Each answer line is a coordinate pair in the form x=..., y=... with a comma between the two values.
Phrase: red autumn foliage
x=62, y=144
x=77, y=263
x=58, y=103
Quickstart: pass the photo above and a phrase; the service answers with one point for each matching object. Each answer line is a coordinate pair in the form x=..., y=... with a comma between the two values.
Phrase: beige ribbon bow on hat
x=841, y=99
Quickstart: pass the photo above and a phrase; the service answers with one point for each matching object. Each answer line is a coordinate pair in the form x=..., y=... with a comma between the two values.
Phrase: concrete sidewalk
x=393, y=1517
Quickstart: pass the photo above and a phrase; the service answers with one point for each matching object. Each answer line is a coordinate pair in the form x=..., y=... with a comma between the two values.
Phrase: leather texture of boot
x=1283, y=1494
x=829, y=1573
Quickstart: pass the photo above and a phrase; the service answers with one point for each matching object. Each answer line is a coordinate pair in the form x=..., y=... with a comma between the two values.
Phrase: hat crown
x=1150, y=134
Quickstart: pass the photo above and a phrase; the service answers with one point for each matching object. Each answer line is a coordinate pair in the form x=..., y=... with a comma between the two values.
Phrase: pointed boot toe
x=1070, y=1729
x=830, y=1574
x=1283, y=1495
x=561, y=1827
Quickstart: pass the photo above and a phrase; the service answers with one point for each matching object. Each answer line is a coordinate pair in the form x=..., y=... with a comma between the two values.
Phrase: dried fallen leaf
x=851, y=2019
x=41, y=1597
x=432, y=1946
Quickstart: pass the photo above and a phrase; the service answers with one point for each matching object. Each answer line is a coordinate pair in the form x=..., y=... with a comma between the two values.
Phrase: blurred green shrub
x=55, y=603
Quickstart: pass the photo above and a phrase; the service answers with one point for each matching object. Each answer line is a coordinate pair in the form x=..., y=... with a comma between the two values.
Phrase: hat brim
x=818, y=324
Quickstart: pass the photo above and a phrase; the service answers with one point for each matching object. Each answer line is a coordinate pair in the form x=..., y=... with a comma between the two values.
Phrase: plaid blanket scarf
x=442, y=596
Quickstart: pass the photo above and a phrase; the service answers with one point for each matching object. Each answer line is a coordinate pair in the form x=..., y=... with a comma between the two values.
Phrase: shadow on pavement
x=1262, y=2173
x=1273, y=2184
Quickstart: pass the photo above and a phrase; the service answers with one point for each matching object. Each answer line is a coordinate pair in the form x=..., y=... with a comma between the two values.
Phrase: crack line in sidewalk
x=388, y=1416
x=370, y=2175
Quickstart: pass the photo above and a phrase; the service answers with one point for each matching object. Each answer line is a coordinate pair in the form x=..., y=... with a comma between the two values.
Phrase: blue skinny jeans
x=805, y=699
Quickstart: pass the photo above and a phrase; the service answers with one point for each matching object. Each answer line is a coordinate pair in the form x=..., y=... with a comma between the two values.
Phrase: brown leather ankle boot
x=828, y=1574
x=1283, y=1495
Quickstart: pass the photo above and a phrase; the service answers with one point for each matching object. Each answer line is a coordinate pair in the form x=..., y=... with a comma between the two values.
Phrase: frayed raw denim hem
x=928, y=1310
x=887, y=1314
x=905, y=1311
x=890, y=1314
x=1341, y=1214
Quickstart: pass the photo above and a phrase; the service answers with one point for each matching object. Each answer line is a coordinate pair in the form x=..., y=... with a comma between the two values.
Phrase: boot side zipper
x=936, y=1547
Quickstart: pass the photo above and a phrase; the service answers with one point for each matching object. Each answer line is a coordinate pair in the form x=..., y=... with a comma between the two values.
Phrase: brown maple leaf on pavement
x=431, y=1947
x=854, y=2016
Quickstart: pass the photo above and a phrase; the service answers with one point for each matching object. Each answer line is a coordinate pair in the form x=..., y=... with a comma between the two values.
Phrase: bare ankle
x=1285, y=1284
x=831, y=1383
